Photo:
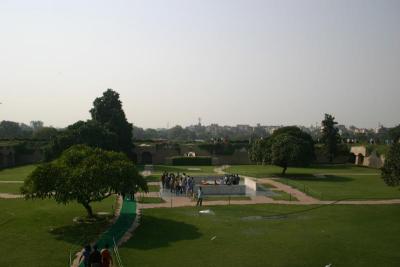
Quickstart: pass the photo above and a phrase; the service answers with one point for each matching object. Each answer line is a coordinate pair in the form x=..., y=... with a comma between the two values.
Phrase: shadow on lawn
x=156, y=233
x=310, y=177
x=81, y=233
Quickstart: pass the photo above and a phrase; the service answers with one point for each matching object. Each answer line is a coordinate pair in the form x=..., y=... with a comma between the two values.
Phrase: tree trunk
x=88, y=209
x=284, y=170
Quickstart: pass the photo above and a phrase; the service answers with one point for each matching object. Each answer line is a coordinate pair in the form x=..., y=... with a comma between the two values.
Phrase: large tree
x=288, y=146
x=330, y=136
x=289, y=150
x=84, y=174
x=391, y=167
x=107, y=110
x=394, y=133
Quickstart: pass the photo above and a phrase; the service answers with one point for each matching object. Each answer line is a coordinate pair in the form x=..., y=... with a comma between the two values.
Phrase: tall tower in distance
x=199, y=124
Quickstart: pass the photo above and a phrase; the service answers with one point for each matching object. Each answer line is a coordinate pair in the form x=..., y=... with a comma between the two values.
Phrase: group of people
x=95, y=258
x=230, y=179
x=178, y=184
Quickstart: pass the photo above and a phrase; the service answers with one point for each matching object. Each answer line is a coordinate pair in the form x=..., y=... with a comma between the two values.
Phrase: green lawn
x=337, y=182
x=189, y=170
x=16, y=174
x=235, y=236
x=335, y=187
x=154, y=188
x=262, y=171
x=12, y=188
x=281, y=195
x=225, y=198
x=42, y=233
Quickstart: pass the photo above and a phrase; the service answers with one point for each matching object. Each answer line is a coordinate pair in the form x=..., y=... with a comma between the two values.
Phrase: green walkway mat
x=119, y=228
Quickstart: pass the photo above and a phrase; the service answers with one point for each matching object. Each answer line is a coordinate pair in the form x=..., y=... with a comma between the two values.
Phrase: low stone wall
x=250, y=184
x=222, y=189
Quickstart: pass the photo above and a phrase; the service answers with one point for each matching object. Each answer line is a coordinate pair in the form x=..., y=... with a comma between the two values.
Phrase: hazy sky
x=226, y=61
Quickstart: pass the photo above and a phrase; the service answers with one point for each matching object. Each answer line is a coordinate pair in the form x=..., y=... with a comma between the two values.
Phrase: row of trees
x=36, y=130
x=89, y=161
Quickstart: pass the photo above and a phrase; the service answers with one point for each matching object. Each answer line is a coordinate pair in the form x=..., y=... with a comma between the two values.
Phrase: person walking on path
x=106, y=259
x=199, y=197
x=95, y=257
x=85, y=255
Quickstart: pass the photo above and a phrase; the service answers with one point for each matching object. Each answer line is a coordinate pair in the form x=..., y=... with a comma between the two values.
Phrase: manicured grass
x=150, y=200
x=282, y=195
x=265, y=185
x=189, y=170
x=42, y=233
x=262, y=171
x=336, y=182
x=12, y=188
x=16, y=174
x=153, y=178
x=154, y=188
x=225, y=198
x=236, y=237
x=334, y=187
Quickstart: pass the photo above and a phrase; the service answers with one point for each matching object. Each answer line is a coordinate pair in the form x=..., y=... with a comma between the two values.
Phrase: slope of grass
x=11, y=188
x=17, y=173
x=261, y=171
x=42, y=233
x=239, y=236
x=328, y=182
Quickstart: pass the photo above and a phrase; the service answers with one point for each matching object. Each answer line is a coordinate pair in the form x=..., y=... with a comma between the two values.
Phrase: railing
x=117, y=256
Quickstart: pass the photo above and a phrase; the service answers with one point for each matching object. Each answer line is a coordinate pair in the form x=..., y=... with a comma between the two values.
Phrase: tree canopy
x=107, y=111
x=84, y=174
x=288, y=146
x=391, y=167
x=330, y=136
x=89, y=133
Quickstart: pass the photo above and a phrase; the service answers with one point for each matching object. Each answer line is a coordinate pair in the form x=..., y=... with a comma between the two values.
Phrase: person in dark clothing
x=85, y=255
x=95, y=257
x=199, y=197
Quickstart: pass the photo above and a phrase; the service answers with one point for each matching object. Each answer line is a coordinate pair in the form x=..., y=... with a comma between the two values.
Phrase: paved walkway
x=124, y=224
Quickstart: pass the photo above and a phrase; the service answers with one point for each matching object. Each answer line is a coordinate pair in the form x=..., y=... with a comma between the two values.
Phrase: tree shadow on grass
x=156, y=232
x=81, y=233
x=310, y=177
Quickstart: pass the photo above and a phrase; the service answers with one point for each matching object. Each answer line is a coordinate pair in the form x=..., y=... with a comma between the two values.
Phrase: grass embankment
x=158, y=170
x=42, y=233
x=17, y=173
x=241, y=236
x=327, y=182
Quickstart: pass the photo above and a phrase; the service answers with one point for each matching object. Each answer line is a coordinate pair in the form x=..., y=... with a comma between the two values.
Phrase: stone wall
x=164, y=155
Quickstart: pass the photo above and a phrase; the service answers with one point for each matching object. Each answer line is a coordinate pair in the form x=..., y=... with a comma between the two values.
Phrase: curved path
x=124, y=224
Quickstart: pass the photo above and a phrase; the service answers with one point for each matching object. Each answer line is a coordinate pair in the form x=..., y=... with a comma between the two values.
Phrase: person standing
x=95, y=257
x=106, y=259
x=85, y=255
x=199, y=197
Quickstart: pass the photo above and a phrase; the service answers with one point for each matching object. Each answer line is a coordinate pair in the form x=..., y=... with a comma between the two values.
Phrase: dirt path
x=11, y=182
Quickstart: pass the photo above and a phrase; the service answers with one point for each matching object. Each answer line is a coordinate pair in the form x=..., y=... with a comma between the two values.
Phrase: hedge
x=191, y=161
